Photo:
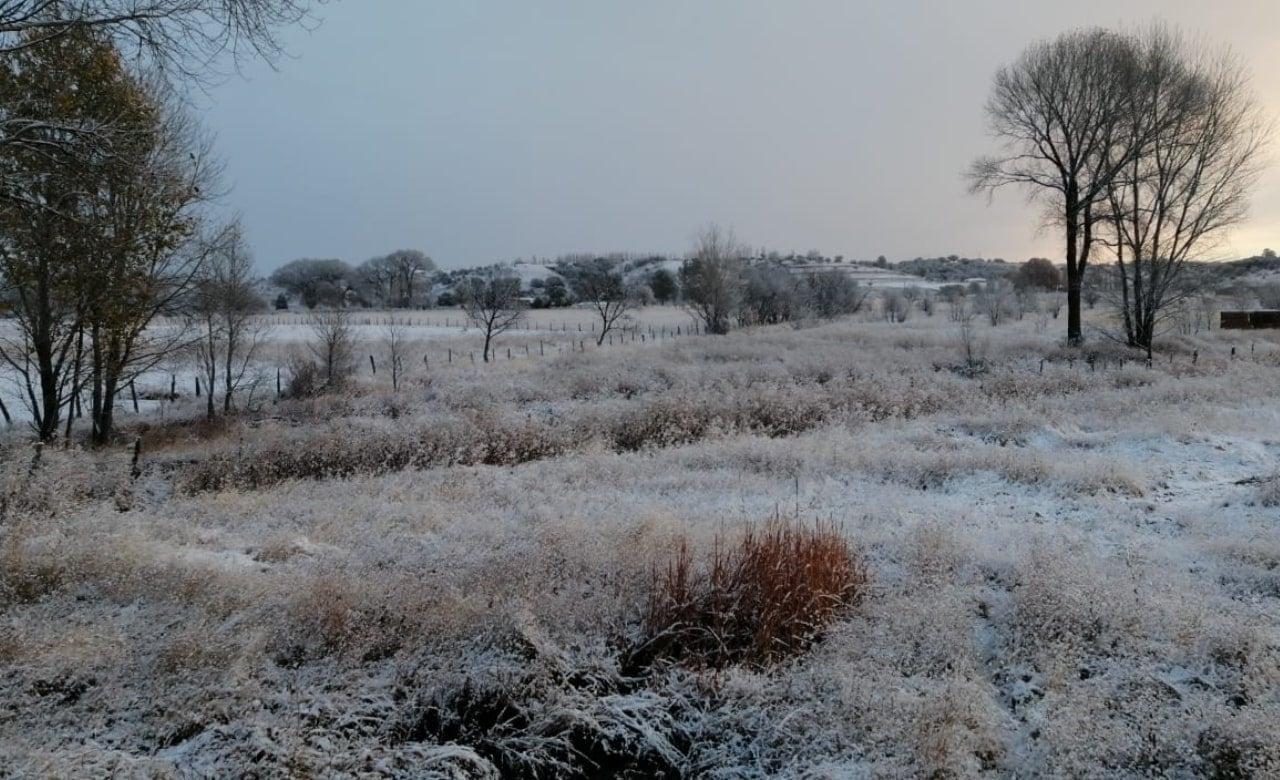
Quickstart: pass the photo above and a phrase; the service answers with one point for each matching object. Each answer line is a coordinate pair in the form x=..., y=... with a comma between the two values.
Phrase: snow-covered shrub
x=306, y=380
x=483, y=439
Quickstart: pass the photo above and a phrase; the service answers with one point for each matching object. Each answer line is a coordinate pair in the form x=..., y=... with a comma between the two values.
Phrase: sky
x=482, y=131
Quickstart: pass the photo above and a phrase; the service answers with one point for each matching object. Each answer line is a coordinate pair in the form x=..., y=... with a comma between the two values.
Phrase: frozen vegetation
x=1062, y=563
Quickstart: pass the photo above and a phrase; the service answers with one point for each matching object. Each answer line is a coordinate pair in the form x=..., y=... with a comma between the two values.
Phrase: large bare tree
x=1198, y=137
x=1059, y=113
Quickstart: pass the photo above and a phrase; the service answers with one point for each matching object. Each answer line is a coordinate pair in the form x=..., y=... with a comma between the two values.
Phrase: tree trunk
x=1075, y=333
x=95, y=410
x=229, y=381
x=210, y=370
x=209, y=409
x=50, y=398
x=105, y=419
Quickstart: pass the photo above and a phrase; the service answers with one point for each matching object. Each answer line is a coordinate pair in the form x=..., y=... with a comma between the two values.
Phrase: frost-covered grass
x=1072, y=570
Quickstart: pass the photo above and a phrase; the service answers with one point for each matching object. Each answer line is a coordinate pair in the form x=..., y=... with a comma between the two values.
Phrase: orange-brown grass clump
x=757, y=602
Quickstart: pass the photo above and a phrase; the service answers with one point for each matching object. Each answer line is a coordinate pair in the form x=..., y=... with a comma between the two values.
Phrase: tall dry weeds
x=765, y=598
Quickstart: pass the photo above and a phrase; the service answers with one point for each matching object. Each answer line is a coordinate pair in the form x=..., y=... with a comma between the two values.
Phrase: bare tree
x=333, y=345
x=375, y=281
x=406, y=267
x=1058, y=111
x=599, y=283
x=394, y=336
x=895, y=306
x=1198, y=136
x=959, y=306
x=492, y=303
x=970, y=349
x=770, y=295
x=185, y=36
x=712, y=278
x=996, y=300
x=184, y=39
x=225, y=307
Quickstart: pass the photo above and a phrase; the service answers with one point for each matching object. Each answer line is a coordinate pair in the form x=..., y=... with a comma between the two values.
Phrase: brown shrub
x=177, y=432
x=764, y=599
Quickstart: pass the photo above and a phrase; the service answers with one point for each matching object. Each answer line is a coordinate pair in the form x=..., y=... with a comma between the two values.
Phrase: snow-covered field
x=434, y=338
x=1074, y=563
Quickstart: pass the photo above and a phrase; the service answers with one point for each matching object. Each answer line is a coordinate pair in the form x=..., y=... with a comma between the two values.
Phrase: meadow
x=1061, y=563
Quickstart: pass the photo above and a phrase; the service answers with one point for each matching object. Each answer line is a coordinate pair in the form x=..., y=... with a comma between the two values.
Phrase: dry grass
x=1269, y=490
x=761, y=599
x=522, y=569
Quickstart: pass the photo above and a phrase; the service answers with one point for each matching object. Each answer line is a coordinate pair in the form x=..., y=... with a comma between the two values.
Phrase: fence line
x=462, y=324
x=1088, y=362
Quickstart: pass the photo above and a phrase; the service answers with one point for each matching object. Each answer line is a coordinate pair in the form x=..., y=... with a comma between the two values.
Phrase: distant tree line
x=952, y=268
x=402, y=279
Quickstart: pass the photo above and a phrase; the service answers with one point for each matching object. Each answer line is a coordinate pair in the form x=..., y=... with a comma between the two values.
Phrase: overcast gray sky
x=484, y=130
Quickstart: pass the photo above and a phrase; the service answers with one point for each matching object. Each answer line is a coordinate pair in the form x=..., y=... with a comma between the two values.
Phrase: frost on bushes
x=306, y=380
x=1269, y=490
x=482, y=440
x=519, y=705
x=767, y=597
x=525, y=725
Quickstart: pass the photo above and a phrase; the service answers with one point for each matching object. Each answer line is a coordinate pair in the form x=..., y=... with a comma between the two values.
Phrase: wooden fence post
x=135, y=469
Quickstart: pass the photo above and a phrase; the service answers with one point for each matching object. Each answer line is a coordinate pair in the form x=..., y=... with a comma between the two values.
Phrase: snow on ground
x=434, y=334
x=873, y=277
x=1075, y=569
